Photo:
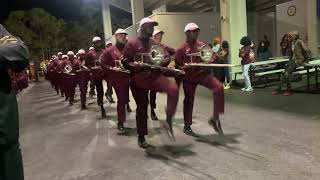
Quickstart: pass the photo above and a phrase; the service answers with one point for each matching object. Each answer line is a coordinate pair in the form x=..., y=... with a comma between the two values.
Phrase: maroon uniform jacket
x=171, y=51
x=192, y=73
x=136, y=46
x=61, y=65
x=108, y=58
x=92, y=58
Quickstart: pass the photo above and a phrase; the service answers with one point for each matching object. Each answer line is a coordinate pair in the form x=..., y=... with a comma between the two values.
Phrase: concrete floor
x=267, y=137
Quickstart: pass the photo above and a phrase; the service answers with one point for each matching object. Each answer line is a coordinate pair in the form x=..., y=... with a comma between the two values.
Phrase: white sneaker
x=227, y=86
x=243, y=89
x=249, y=89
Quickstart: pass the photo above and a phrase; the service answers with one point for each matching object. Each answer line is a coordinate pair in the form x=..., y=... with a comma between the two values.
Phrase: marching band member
x=117, y=79
x=54, y=72
x=144, y=79
x=70, y=79
x=195, y=76
x=82, y=77
x=62, y=76
x=109, y=91
x=93, y=63
x=58, y=72
x=157, y=37
x=51, y=71
x=92, y=88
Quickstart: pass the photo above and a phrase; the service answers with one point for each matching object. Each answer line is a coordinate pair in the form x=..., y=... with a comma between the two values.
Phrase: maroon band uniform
x=144, y=80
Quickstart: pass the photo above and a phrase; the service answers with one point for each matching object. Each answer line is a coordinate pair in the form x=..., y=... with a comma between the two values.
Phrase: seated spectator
x=263, y=49
x=300, y=54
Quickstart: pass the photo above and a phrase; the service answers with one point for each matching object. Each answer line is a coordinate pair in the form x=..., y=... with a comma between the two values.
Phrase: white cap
x=108, y=42
x=81, y=51
x=91, y=48
x=147, y=20
x=96, y=38
x=60, y=53
x=64, y=56
x=70, y=53
x=120, y=31
x=54, y=56
x=157, y=31
x=191, y=27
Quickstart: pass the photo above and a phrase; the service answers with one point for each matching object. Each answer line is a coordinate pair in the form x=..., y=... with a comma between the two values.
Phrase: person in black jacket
x=14, y=57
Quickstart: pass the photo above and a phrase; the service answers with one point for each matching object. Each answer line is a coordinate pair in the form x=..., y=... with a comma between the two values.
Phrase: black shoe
x=167, y=126
x=84, y=107
x=120, y=127
x=187, y=130
x=110, y=98
x=153, y=115
x=142, y=142
x=215, y=123
x=129, y=108
x=103, y=112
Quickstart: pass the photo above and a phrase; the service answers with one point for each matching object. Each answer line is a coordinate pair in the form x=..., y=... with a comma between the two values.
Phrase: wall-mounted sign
x=292, y=10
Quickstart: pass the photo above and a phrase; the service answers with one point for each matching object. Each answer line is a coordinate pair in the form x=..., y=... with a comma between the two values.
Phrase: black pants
x=11, y=167
x=219, y=74
x=153, y=96
x=99, y=87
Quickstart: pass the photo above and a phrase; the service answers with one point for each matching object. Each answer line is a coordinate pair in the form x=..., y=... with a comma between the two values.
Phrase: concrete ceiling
x=264, y=5
x=198, y=5
x=209, y=5
x=189, y=5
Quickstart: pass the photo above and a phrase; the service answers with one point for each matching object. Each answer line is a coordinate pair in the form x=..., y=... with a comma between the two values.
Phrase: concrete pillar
x=312, y=24
x=137, y=9
x=106, y=16
x=233, y=25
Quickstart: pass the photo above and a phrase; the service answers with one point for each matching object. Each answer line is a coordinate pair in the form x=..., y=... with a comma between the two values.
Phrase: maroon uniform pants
x=120, y=82
x=61, y=82
x=77, y=80
x=68, y=83
x=154, y=81
x=189, y=90
x=55, y=80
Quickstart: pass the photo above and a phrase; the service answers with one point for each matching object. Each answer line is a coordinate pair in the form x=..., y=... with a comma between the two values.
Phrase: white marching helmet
x=64, y=56
x=157, y=31
x=120, y=31
x=70, y=53
x=81, y=51
x=91, y=48
x=191, y=27
x=109, y=42
x=96, y=38
x=147, y=20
